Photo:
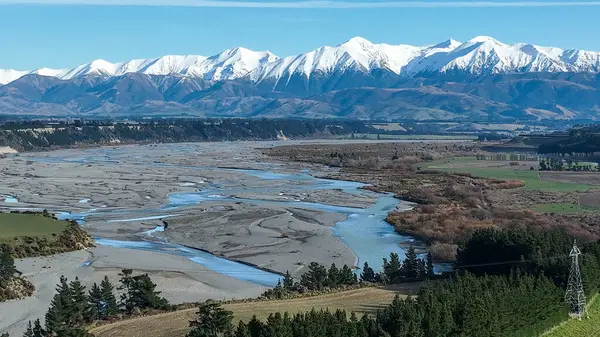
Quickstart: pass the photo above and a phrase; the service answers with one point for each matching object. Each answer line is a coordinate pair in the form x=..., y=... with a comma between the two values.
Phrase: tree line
x=319, y=278
x=558, y=164
x=580, y=141
x=516, y=305
x=170, y=131
x=506, y=283
x=73, y=306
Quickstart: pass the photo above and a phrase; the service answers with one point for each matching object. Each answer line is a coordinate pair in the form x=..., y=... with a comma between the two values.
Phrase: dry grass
x=175, y=324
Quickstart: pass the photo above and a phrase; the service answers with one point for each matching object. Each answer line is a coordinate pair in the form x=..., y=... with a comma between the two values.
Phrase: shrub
x=443, y=251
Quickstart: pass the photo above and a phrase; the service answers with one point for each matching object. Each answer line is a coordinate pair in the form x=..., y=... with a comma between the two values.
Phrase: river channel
x=364, y=230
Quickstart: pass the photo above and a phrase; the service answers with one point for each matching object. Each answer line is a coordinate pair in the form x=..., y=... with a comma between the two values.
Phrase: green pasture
x=34, y=225
x=529, y=177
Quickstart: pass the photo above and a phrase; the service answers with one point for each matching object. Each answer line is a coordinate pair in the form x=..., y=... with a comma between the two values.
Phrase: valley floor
x=123, y=193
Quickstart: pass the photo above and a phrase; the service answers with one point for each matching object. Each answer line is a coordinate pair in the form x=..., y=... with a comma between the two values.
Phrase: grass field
x=477, y=168
x=15, y=225
x=576, y=328
x=175, y=324
x=565, y=208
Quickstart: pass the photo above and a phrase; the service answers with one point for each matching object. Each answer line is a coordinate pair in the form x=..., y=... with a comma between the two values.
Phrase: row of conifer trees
x=507, y=283
x=73, y=306
x=318, y=277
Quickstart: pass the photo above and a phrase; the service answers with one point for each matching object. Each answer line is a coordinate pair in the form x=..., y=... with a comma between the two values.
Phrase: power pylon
x=575, y=295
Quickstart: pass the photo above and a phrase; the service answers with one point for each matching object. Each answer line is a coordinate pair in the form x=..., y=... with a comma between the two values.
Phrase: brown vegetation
x=451, y=205
x=16, y=288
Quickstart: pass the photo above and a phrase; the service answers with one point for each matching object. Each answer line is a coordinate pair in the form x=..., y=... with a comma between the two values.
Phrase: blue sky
x=36, y=33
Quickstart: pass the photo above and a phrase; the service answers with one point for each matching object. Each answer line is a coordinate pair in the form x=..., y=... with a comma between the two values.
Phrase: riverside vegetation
x=35, y=135
x=33, y=234
x=12, y=285
x=73, y=308
x=319, y=278
x=456, y=193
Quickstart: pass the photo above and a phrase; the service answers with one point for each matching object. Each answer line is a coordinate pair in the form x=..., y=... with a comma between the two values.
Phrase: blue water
x=364, y=231
x=220, y=265
x=10, y=199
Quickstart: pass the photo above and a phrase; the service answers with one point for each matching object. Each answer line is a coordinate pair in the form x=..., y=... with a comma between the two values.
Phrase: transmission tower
x=575, y=295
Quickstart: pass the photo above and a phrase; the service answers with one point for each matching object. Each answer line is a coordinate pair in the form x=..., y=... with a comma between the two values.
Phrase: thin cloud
x=307, y=4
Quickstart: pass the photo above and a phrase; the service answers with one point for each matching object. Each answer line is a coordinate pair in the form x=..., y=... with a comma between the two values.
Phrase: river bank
x=179, y=279
x=271, y=215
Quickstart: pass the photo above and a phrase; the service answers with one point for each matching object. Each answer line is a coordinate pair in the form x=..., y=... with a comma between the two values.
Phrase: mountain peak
x=479, y=55
x=450, y=43
x=483, y=39
x=357, y=40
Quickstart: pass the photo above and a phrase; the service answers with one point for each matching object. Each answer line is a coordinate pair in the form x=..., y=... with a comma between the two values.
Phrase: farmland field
x=175, y=324
x=501, y=170
x=15, y=225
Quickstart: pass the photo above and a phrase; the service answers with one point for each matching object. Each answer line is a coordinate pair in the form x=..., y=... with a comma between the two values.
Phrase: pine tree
x=59, y=314
x=391, y=269
x=429, y=266
x=288, y=282
x=315, y=278
x=80, y=308
x=96, y=303
x=347, y=276
x=212, y=321
x=28, y=331
x=421, y=269
x=410, y=266
x=242, y=330
x=37, y=329
x=145, y=294
x=255, y=327
x=107, y=294
x=278, y=292
x=368, y=274
x=333, y=276
x=126, y=303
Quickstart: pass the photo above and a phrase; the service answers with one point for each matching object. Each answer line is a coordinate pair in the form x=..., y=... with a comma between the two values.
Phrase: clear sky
x=37, y=33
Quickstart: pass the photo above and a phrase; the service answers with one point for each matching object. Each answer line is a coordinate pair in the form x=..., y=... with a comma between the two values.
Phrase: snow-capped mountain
x=9, y=75
x=480, y=55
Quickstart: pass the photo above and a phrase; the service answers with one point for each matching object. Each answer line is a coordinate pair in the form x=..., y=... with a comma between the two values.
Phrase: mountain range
x=478, y=79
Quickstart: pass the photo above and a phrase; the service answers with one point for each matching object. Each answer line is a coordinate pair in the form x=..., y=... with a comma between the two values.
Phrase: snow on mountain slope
x=230, y=64
x=166, y=65
x=50, y=72
x=355, y=54
x=480, y=55
x=9, y=75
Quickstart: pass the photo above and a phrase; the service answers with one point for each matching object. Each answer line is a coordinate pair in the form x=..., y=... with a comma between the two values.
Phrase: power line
x=556, y=257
